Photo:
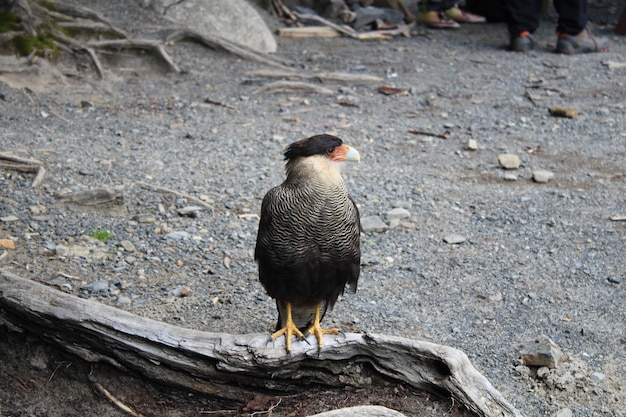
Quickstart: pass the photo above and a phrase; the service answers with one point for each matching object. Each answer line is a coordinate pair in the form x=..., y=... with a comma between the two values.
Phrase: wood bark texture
x=232, y=366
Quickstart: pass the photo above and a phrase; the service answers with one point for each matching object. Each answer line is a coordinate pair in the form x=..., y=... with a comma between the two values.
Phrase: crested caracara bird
x=308, y=246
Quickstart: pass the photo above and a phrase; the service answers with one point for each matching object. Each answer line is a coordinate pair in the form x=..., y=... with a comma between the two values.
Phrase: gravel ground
x=536, y=258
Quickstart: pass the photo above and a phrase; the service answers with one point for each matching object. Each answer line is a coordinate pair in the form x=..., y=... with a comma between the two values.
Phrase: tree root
x=215, y=42
x=44, y=28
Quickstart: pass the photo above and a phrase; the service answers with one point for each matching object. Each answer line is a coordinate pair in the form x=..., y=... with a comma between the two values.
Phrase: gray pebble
x=509, y=161
x=7, y=219
x=470, y=145
x=614, y=280
x=97, y=286
x=144, y=218
x=564, y=412
x=542, y=176
x=123, y=300
x=454, y=239
x=128, y=246
x=598, y=377
x=62, y=250
x=398, y=214
x=373, y=224
x=189, y=211
x=178, y=235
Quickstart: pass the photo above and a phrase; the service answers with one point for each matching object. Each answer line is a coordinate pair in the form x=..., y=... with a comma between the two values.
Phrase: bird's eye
x=329, y=151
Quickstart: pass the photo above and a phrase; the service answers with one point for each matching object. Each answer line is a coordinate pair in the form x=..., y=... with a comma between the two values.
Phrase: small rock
x=510, y=177
x=97, y=286
x=454, y=239
x=564, y=412
x=124, y=300
x=361, y=410
x=470, y=145
x=128, y=246
x=62, y=250
x=543, y=372
x=39, y=360
x=373, y=224
x=7, y=219
x=598, y=377
x=522, y=370
x=178, y=235
x=541, y=176
x=7, y=244
x=614, y=280
x=189, y=211
x=543, y=352
x=509, y=161
x=144, y=218
x=398, y=214
x=182, y=292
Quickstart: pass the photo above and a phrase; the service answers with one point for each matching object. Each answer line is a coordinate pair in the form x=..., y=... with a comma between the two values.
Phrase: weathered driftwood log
x=230, y=366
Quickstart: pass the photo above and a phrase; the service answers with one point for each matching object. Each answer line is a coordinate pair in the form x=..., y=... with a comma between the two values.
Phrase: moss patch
x=9, y=22
x=101, y=234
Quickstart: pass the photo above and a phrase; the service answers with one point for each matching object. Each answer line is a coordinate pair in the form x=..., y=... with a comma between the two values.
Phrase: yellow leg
x=317, y=330
x=289, y=330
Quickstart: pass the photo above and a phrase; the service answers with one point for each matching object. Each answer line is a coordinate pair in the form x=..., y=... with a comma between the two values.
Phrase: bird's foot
x=289, y=330
x=317, y=330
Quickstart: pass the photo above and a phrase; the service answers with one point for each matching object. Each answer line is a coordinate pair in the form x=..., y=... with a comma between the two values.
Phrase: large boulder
x=234, y=20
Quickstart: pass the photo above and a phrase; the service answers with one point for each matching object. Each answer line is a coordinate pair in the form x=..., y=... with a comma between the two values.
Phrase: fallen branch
x=292, y=87
x=348, y=31
x=14, y=158
x=424, y=133
x=17, y=163
x=233, y=366
x=215, y=42
x=308, y=32
x=178, y=193
x=93, y=197
x=218, y=103
x=322, y=76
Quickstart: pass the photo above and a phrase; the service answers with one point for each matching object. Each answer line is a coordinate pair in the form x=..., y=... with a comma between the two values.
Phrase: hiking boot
x=522, y=42
x=583, y=43
x=462, y=16
x=435, y=20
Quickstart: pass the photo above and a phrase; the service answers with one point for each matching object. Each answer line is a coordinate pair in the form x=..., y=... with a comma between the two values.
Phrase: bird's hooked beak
x=345, y=153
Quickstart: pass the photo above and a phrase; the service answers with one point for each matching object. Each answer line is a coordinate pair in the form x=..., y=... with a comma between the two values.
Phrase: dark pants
x=436, y=5
x=524, y=15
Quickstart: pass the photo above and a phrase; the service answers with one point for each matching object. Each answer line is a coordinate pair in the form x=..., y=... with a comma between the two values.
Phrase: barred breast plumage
x=308, y=241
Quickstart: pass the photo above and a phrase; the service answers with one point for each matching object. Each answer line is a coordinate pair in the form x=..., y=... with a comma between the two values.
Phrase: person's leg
x=431, y=5
x=523, y=16
x=572, y=16
x=523, y=22
x=574, y=37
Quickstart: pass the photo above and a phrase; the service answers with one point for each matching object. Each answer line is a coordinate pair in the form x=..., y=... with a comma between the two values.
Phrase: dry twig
x=424, y=133
x=322, y=76
x=119, y=404
x=292, y=87
x=178, y=193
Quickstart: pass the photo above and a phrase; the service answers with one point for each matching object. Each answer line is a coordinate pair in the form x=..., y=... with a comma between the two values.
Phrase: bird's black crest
x=315, y=145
